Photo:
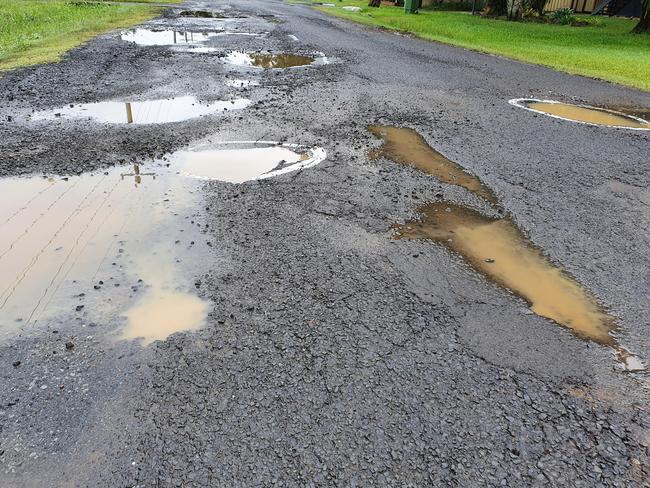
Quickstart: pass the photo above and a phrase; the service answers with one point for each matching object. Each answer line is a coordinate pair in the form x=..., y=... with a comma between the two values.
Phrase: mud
x=162, y=111
x=203, y=14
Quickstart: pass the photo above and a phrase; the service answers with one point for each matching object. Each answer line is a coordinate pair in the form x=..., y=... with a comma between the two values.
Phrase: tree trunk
x=644, y=20
x=374, y=3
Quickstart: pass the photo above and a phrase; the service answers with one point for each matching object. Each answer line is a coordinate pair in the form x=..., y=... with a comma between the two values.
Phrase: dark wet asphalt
x=335, y=355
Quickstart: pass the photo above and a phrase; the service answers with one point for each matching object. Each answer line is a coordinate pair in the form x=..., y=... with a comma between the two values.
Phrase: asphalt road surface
x=333, y=354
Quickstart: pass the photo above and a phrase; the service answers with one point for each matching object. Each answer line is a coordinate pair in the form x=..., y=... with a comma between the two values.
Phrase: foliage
x=33, y=31
x=563, y=16
x=607, y=51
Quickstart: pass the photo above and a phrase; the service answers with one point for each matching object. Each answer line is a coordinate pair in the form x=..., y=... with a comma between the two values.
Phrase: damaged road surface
x=248, y=244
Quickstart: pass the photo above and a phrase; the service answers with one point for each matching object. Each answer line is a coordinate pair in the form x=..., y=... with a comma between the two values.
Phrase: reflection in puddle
x=202, y=14
x=88, y=234
x=585, y=114
x=498, y=249
x=406, y=146
x=262, y=60
x=245, y=163
x=164, y=37
x=119, y=243
x=147, y=112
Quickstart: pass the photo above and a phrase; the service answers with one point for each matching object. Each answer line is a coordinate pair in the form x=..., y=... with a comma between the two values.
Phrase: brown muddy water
x=162, y=111
x=500, y=251
x=497, y=248
x=121, y=246
x=268, y=60
x=585, y=114
x=405, y=146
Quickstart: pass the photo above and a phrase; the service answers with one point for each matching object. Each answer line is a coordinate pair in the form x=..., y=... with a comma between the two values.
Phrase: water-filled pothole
x=125, y=242
x=405, y=146
x=498, y=249
x=583, y=113
x=236, y=163
x=202, y=14
x=269, y=60
x=146, y=112
x=165, y=37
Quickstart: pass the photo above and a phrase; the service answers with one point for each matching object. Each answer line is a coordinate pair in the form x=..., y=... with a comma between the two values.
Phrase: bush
x=456, y=6
x=563, y=16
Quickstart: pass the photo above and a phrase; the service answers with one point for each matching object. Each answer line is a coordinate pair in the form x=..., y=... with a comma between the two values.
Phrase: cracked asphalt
x=334, y=355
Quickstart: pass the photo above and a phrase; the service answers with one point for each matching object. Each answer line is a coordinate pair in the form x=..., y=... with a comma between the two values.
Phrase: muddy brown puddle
x=405, y=146
x=162, y=111
x=497, y=249
x=589, y=115
x=268, y=60
x=121, y=245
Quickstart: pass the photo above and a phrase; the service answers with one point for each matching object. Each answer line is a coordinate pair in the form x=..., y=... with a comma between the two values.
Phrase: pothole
x=237, y=163
x=405, y=146
x=160, y=111
x=582, y=113
x=202, y=14
x=497, y=249
x=119, y=247
x=165, y=37
x=269, y=60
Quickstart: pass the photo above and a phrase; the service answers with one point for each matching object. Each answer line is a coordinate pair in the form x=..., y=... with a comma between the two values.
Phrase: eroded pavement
x=217, y=270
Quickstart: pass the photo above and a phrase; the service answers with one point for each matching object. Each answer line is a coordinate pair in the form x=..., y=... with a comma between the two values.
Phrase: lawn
x=40, y=31
x=607, y=50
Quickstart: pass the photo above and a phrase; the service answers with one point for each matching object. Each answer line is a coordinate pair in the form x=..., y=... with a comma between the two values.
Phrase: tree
x=374, y=3
x=497, y=7
x=644, y=19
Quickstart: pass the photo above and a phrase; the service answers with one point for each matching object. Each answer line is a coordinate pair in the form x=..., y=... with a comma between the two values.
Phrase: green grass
x=607, y=51
x=37, y=31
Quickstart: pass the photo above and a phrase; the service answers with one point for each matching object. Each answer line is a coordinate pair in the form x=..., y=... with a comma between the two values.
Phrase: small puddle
x=267, y=60
x=165, y=37
x=405, y=146
x=123, y=242
x=146, y=112
x=202, y=14
x=165, y=307
x=497, y=248
x=583, y=113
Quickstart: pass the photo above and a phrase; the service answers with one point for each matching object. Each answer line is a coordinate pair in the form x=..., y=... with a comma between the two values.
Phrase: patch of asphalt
x=334, y=355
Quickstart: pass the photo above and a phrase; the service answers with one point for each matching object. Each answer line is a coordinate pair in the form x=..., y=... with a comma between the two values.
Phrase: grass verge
x=606, y=50
x=36, y=31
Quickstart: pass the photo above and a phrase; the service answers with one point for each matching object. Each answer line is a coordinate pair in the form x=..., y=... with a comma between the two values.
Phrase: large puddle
x=121, y=245
x=268, y=60
x=582, y=113
x=498, y=249
x=146, y=112
x=405, y=146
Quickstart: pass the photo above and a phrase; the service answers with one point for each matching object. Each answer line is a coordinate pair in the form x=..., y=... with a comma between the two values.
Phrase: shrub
x=563, y=16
